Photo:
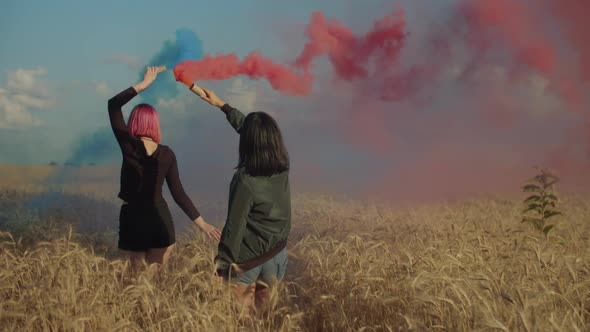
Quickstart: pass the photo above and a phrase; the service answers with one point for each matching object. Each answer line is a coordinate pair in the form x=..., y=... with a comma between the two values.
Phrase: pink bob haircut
x=144, y=122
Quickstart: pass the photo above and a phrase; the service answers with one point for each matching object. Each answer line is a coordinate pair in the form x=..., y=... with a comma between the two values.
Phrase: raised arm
x=185, y=203
x=116, y=115
x=233, y=115
x=116, y=103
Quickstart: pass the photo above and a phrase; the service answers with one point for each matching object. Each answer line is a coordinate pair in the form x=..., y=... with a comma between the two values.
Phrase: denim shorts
x=267, y=273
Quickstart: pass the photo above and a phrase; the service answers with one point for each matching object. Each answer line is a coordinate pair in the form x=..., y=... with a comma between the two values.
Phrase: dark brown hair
x=262, y=150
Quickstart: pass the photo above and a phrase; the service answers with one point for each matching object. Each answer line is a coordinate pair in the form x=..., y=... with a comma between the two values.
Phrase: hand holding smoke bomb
x=212, y=98
x=192, y=86
x=198, y=91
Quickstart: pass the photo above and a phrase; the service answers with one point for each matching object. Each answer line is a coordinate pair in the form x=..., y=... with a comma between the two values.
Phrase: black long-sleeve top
x=142, y=176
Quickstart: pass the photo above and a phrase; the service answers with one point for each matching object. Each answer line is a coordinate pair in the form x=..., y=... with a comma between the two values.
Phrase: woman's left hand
x=149, y=77
x=212, y=232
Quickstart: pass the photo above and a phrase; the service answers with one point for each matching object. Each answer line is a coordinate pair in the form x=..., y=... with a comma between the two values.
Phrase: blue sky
x=62, y=60
x=73, y=42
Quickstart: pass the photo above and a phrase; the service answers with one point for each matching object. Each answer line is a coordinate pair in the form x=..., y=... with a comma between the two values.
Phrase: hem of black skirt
x=136, y=249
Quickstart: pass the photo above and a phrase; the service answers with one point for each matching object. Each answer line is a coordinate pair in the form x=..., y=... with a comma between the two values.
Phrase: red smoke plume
x=350, y=56
x=529, y=30
x=517, y=26
x=572, y=16
x=480, y=130
x=255, y=66
x=549, y=37
x=533, y=31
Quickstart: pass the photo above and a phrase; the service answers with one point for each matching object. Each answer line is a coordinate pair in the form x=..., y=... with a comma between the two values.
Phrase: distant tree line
x=70, y=164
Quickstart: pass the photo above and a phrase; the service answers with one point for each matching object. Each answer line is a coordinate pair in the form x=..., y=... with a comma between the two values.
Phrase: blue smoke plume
x=100, y=147
x=95, y=148
x=187, y=46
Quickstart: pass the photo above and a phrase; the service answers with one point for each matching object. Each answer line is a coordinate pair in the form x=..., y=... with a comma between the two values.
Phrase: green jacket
x=259, y=211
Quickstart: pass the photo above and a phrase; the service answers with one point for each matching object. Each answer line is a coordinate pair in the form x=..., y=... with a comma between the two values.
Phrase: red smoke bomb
x=191, y=85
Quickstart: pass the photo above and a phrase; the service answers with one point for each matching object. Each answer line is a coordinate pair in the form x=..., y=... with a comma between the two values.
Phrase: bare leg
x=245, y=295
x=159, y=256
x=137, y=259
x=262, y=296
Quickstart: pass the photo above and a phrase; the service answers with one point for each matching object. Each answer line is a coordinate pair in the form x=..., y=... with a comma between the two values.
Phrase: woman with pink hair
x=146, y=229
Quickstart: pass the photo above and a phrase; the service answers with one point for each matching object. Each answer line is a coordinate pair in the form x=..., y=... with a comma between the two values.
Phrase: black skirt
x=145, y=225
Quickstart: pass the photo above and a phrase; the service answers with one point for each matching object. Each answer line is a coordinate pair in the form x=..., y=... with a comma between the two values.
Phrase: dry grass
x=352, y=266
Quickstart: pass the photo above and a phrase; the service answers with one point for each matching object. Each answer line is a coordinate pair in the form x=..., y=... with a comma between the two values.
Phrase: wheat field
x=353, y=266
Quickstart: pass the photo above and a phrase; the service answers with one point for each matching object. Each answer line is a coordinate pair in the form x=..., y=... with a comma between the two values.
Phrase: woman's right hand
x=212, y=98
x=149, y=77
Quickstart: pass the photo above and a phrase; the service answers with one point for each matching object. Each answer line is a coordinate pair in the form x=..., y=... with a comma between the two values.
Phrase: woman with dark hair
x=252, y=252
x=146, y=229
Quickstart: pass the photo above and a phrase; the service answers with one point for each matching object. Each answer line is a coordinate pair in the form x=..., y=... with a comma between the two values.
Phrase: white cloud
x=27, y=80
x=539, y=100
x=24, y=92
x=528, y=92
x=130, y=61
x=177, y=104
x=242, y=95
x=31, y=101
x=237, y=92
x=103, y=89
x=14, y=114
